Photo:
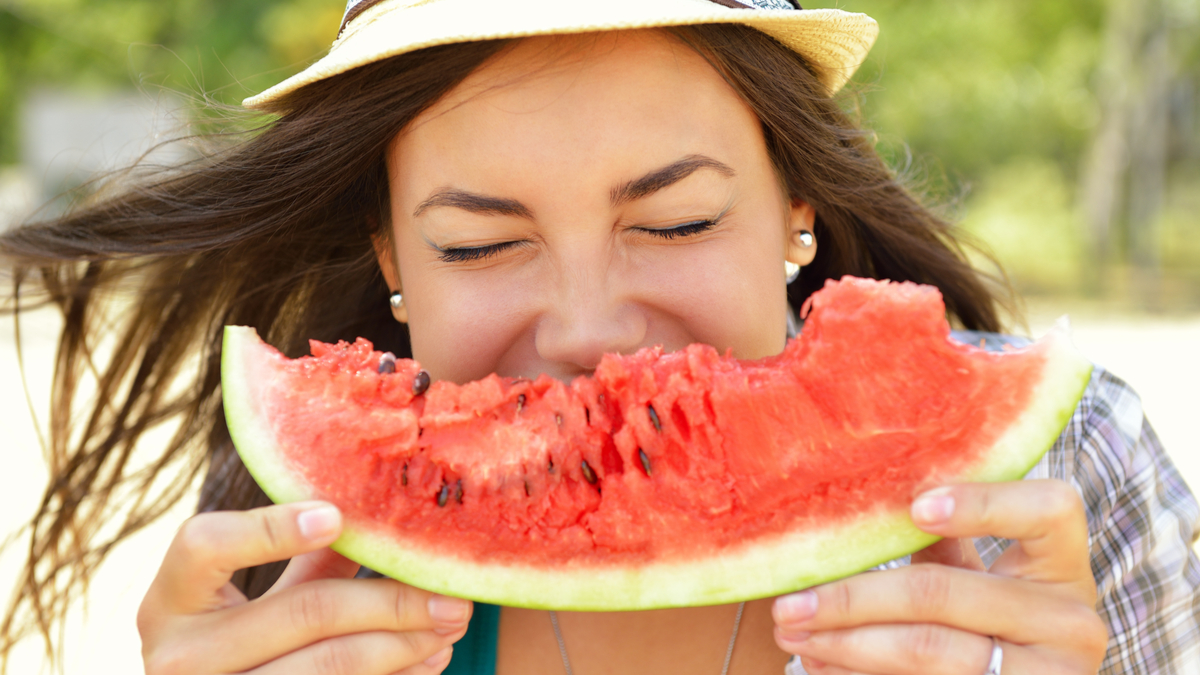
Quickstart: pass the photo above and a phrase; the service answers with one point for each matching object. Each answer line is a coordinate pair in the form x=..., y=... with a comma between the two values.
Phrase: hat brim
x=834, y=42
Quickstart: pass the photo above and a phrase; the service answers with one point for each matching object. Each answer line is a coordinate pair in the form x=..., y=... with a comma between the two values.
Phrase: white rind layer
x=762, y=568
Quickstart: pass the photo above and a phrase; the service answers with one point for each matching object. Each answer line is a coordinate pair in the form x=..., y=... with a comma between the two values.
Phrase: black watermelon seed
x=654, y=418
x=550, y=468
x=520, y=402
x=645, y=460
x=387, y=364
x=458, y=491
x=420, y=383
x=588, y=474
x=587, y=415
x=526, y=488
x=404, y=475
x=443, y=495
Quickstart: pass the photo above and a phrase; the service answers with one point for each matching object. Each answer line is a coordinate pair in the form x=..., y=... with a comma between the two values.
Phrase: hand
x=316, y=620
x=938, y=615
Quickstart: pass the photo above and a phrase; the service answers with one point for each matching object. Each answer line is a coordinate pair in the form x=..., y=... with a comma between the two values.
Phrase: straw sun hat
x=832, y=41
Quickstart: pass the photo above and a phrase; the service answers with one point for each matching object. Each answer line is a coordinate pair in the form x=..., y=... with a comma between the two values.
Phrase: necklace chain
x=562, y=645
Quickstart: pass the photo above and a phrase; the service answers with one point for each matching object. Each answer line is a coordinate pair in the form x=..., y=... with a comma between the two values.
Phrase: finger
x=925, y=649
x=319, y=610
x=323, y=564
x=817, y=667
x=377, y=653
x=210, y=547
x=432, y=665
x=897, y=649
x=1046, y=517
x=1017, y=610
x=952, y=553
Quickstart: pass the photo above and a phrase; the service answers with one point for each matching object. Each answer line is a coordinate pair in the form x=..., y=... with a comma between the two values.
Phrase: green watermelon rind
x=763, y=568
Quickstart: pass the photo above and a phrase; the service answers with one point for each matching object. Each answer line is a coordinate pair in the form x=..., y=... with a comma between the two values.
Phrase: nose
x=587, y=316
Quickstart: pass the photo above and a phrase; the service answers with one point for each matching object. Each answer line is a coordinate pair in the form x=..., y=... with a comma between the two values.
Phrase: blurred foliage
x=226, y=49
x=974, y=83
x=991, y=105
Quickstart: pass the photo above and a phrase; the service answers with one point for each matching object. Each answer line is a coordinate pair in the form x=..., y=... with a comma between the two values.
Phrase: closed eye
x=473, y=253
x=684, y=230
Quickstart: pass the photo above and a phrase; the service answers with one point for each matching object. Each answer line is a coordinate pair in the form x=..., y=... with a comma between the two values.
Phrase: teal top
x=475, y=653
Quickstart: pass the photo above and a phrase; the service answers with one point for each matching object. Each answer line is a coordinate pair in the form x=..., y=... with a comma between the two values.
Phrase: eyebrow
x=645, y=186
x=667, y=176
x=469, y=201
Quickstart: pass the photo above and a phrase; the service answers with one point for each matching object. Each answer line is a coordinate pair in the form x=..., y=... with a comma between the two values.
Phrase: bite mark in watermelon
x=688, y=478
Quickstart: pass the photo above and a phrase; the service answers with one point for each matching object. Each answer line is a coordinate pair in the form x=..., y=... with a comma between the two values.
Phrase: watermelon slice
x=688, y=478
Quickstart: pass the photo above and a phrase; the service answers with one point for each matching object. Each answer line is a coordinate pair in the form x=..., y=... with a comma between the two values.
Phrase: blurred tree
x=226, y=49
x=974, y=84
x=1007, y=103
x=1091, y=100
x=1144, y=75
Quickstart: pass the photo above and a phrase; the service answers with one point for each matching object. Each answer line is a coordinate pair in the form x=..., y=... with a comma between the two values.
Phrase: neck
x=689, y=640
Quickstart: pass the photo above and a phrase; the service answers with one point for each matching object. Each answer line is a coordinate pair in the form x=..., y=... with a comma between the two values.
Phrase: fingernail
x=441, y=658
x=795, y=638
x=447, y=610
x=932, y=508
x=319, y=523
x=796, y=608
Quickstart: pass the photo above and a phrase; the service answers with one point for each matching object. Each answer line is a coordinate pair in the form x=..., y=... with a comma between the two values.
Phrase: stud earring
x=807, y=239
x=792, y=270
x=396, y=300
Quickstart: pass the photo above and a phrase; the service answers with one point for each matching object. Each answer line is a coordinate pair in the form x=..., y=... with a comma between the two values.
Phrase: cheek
x=738, y=300
x=463, y=325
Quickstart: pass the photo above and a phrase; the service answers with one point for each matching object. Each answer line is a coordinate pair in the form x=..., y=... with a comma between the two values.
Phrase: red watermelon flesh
x=662, y=479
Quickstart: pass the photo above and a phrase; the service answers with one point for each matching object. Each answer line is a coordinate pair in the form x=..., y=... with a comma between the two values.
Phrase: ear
x=391, y=274
x=800, y=221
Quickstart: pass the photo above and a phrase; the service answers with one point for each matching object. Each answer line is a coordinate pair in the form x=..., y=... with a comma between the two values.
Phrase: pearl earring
x=792, y=270
x=807, y=239
x=396, y=301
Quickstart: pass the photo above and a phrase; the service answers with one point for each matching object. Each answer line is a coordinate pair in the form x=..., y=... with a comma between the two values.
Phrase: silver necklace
x=562, y=646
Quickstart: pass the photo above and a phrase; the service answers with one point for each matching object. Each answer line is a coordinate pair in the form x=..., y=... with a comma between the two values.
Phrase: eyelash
x=684, y=230
x=476, y=253
x=456, y=255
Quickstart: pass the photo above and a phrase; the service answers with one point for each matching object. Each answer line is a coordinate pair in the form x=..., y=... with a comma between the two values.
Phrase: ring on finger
x=997, y=660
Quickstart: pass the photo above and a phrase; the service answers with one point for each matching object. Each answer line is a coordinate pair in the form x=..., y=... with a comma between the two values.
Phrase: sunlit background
x=1063, y=135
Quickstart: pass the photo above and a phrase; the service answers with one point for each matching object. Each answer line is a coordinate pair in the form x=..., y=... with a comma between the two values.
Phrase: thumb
x=321, y=564
x=210, y=547
x=952, y=553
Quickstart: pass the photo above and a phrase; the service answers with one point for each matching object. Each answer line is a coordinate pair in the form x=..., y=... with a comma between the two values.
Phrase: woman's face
x=585, y=195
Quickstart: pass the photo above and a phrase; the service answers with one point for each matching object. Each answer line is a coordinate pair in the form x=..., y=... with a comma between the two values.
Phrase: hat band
x=356, y=7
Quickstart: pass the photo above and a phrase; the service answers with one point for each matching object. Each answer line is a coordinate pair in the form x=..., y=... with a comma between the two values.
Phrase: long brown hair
x=274, y=231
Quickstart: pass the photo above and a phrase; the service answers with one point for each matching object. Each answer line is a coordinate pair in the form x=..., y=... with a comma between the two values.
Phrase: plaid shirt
x=1142, y=522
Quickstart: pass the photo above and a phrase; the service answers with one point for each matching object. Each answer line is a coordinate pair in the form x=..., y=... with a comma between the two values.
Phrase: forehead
x=546, y=63
x=592, y=93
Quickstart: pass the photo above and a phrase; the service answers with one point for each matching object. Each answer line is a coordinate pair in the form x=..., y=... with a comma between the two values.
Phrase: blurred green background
x=1063, y=134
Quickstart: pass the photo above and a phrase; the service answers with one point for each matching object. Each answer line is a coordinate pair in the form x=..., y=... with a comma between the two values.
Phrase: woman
x=523, y=206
